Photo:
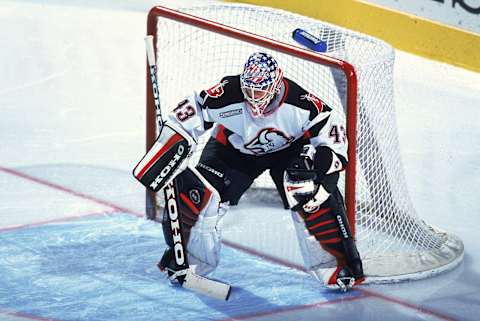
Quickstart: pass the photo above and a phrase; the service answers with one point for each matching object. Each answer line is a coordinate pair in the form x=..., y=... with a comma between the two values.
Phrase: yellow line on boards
x=403, y=31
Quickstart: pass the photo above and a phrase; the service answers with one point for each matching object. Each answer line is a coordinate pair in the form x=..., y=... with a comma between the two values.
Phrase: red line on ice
x=407, y=305
x=57, y=220
x=296, y=308
x=69, y=191
x=26, y=316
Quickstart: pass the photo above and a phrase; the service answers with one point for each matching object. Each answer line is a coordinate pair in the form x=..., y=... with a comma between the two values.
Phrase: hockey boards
x=186, y=276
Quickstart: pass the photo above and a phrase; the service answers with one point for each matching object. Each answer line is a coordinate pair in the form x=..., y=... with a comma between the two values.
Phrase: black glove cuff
x=323, y=159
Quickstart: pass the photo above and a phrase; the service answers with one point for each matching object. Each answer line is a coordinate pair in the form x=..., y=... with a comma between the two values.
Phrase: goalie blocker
x=166, y=159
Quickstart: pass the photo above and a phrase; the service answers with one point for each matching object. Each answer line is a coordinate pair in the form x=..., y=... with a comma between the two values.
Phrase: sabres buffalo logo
x=268, y=140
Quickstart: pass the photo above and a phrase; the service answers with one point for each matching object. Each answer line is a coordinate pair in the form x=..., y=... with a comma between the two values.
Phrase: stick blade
x=199, y=284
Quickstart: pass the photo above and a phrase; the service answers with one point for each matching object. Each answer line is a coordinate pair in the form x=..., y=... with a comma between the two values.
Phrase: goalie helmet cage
x=197, y=46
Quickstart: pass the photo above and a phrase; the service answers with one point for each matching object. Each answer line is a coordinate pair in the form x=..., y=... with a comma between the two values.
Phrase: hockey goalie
x=261, y=121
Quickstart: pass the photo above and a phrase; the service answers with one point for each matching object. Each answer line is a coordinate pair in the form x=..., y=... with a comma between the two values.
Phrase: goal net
x=197, y=46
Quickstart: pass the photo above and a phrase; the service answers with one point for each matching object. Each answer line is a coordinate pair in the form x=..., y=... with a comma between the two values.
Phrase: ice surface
x=103, y=268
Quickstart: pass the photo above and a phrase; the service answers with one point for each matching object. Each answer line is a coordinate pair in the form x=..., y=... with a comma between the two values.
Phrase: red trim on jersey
x=221, y=137
x=307, y=134
x=317, y=102
x=319, y=105
x=318, y=213
x=216, y=91
x=189, y=203
x=174, y=139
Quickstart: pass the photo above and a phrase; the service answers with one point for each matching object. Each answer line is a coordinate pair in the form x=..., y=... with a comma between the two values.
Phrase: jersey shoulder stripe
x=225, y=93
x=299, y=97
x=315, y=129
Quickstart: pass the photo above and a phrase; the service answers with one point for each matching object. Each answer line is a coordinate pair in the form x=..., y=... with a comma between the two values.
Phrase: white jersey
x=299, y=115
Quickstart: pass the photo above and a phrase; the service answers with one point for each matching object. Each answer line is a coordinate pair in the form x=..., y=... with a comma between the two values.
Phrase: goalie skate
x=339, y=278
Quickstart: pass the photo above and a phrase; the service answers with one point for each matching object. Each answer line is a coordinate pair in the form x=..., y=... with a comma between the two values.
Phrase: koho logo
x=342, y=227
x=172, y=210
x=167, y=169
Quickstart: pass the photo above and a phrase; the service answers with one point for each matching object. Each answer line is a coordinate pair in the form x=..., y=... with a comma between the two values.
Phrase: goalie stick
x=188, y=279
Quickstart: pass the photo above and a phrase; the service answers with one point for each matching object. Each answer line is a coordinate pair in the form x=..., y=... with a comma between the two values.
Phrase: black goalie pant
x=232, y=172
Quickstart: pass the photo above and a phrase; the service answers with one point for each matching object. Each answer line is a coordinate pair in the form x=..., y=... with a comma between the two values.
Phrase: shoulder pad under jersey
x=225, y=93
x=299, y=97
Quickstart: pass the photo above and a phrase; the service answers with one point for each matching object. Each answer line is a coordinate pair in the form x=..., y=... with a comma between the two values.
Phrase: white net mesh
x=394, y=243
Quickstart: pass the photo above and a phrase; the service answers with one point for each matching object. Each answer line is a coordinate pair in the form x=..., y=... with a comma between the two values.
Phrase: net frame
x=380, y=266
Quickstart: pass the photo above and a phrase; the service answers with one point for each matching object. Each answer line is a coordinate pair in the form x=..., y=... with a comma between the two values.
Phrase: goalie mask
x=260, y=81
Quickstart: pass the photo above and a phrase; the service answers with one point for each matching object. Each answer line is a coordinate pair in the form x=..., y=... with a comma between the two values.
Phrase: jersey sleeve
x=326, y=129
x=320, y=124
x=191, y=116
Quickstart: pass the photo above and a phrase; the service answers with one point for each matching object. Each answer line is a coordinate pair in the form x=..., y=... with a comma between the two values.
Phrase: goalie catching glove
x=303, y=178
x=166, y=159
